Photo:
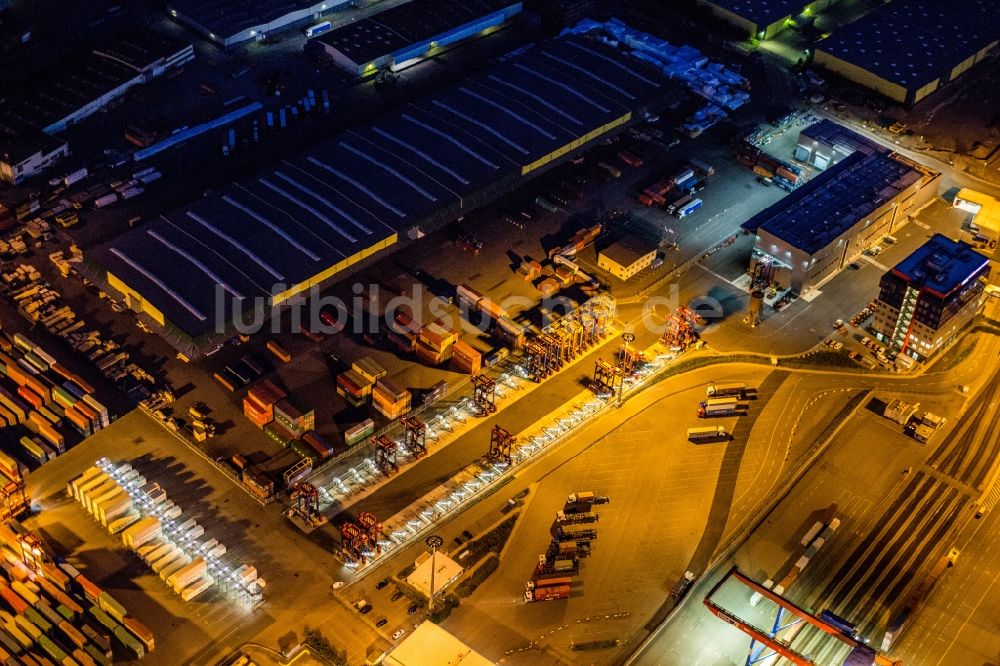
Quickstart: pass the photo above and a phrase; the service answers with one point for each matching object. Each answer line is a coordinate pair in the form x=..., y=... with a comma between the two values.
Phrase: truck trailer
x=587, y=497
x=719, y=407
x=547, y=593
x=738, y=389
x=707, y=434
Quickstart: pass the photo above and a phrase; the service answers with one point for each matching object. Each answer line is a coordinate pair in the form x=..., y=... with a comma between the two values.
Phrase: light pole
x=626, y=338
x=433, y=542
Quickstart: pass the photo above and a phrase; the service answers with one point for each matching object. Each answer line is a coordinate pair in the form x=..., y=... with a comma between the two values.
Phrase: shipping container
x=278, y=351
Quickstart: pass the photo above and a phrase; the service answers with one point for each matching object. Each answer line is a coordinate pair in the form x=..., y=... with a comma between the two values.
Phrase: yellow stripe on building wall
x=576, y=143
x=135, y=298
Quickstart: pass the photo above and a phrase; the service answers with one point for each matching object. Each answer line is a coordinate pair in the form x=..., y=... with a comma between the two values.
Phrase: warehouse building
x=626, y=257
x=930, y=296
x=74, y=90
x=412, y=31
x=907, y=49
x=763, y=19
x=232, y=22
x=825, y=143
x=26, y=152
x=86, y=83
x=824, y=225
x=257, y=243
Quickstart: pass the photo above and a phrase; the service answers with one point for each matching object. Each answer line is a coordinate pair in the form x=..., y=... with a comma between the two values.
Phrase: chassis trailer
x=707, y=434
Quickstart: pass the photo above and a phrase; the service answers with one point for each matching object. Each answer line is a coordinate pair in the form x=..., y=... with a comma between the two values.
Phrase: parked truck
x=563, y=567
x=719, y=407
x=707, y=434
x=587, y=497
x=738, y=389
x=563, y=518
x=550, y=581
x=683, y=585
x=547, y=593
x=575, y=535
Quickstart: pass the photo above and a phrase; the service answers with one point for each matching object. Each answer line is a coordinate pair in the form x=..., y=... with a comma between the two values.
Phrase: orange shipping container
x=33, y=398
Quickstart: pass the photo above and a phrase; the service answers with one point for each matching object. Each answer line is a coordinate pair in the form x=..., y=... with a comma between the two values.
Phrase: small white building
x=25, y=153
x=430, y=645
x=446, y=571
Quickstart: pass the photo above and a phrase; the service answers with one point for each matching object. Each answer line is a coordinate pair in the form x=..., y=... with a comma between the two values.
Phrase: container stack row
x=51, y=613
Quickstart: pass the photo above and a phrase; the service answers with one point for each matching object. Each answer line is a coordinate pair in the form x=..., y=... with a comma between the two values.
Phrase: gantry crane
x=861, y=653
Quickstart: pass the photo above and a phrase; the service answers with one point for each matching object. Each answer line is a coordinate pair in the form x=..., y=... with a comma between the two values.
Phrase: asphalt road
x=896, y=525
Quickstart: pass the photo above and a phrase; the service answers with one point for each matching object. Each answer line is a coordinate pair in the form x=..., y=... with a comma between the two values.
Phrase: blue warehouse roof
x=354, y=193
x=941, y=265
x=401, y=26
x=831, y=203
x=913, y=42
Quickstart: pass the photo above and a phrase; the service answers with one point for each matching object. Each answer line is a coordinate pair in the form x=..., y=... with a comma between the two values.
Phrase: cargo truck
x=707, y=434
x=575, y=535
x=587, y=497
x=547, y=593
x=683, y=585
x=688, y=208
x=740, y=390
x=551, y=581
x=719, y=407
x=563, y=518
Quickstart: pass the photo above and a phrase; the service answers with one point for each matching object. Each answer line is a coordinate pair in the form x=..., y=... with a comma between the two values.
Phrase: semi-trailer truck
x=718, y=407
x=707, y=434
x=738, y=389
x=551, y=581
x=547, y=593
x=563, y=518
x=587, y=497
x=575, y=535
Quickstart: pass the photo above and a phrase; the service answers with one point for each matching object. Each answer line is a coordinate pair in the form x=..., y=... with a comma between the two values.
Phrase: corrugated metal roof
x=355, y=191
x=913, y=42
x=833, y=201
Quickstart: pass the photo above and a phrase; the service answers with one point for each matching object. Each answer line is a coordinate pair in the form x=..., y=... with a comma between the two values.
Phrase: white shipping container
x=192, y=572
x=154, y=555
x=165, y=559
x=121, y=523
x=72, y=488
x=174, y=567
x=196, y=588
x=106, y=200
x=75, y=177
x=246, y=574
x=144, y=550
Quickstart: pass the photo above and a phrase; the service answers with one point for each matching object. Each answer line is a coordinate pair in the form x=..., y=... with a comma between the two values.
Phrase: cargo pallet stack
x=56, y=613
x=434, y=343
x=389, y=400
x=39, y=394
x=38, y=302
x=174, y=548
x=354, y=388
x=258, y=405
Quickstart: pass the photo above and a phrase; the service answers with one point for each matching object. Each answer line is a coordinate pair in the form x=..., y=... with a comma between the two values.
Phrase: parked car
x=412, y=609
x=396, y=596
x=397, y=634
x=382, y=583
x=381, y=623
x=367, y=608
x=467, y=534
